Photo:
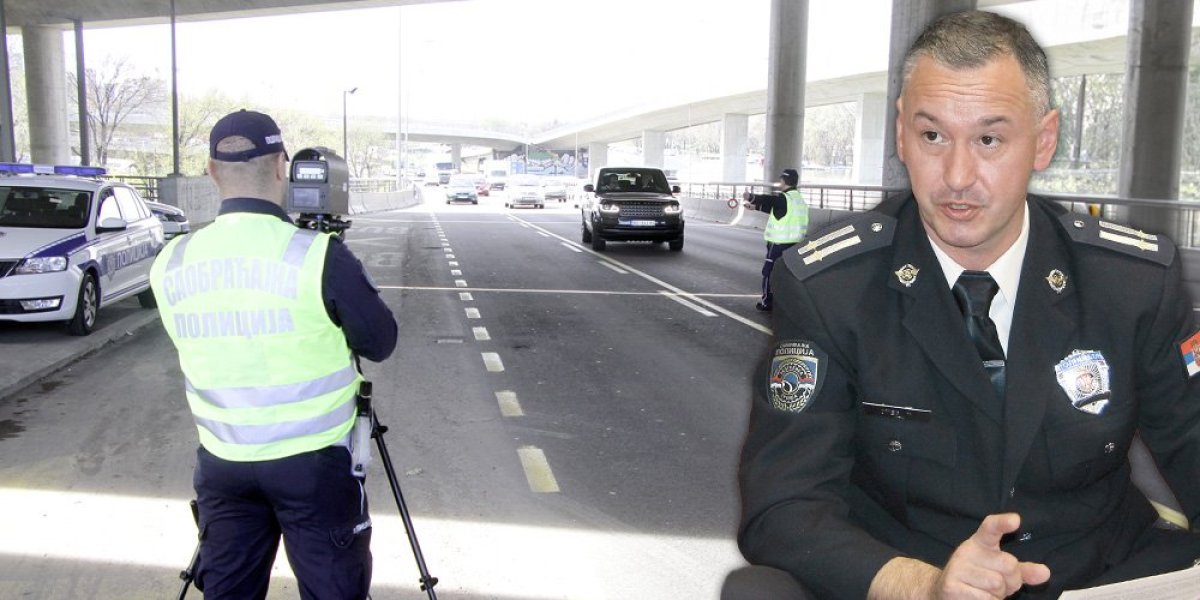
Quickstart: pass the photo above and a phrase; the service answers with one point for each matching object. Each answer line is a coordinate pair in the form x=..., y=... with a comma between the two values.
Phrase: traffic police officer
x=787, y=222
x=957, y=376
x=267, y=318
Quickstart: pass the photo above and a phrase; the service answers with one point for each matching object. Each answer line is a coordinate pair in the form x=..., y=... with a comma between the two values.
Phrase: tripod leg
x=188, y=575
x=427, y=581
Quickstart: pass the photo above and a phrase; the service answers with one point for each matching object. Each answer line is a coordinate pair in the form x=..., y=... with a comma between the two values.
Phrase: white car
x=71, y=244
x=174, y=220
x=524, y=190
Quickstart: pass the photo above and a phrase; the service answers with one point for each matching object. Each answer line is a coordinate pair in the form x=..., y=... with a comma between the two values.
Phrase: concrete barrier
x=197, y=196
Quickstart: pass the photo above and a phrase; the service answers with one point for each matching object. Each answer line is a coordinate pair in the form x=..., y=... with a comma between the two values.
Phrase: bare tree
x=114, y=92
x=369, y=148
x=197, y=115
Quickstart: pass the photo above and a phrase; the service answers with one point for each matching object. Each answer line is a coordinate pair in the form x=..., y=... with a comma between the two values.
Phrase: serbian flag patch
x=1190, y=349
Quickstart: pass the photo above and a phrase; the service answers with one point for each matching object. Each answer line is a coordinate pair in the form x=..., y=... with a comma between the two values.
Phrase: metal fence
x=838, y=197
x=147, y=187
x=1177, y=219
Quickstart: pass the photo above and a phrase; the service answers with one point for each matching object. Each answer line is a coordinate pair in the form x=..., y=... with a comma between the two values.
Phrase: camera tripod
x=365, y=408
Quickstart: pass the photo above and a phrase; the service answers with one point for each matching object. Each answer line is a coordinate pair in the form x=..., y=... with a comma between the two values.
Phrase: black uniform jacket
x=875, y=432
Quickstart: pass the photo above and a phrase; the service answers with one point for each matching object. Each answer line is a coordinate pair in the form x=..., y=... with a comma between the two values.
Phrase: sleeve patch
x=1190, y=350
x=795, y=375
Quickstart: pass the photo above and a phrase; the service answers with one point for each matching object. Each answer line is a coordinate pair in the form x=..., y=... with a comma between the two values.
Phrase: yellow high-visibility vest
x=266, y=372
x=792, y=227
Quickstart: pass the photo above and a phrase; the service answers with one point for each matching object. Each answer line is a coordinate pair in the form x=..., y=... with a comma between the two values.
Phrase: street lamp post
x=345, y=136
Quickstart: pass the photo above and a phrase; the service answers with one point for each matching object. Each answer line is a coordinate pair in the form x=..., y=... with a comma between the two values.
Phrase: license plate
x=639, y=223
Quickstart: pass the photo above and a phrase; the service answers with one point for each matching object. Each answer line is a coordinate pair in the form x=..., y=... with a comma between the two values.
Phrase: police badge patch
x=794, y=377
x=1083, y=375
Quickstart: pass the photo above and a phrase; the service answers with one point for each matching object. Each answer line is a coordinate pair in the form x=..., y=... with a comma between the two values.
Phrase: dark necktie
x=974, y=291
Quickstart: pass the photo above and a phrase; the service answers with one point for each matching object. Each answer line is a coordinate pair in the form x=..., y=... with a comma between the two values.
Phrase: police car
x=71, y=243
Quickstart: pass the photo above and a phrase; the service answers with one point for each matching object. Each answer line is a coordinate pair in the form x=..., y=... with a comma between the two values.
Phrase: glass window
x=108, y=207
x=131, y=207
x=22, y=206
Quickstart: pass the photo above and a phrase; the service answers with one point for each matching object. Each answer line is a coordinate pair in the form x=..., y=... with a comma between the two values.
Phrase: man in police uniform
x=958, y=375
x=267, y=319
x=787, y=222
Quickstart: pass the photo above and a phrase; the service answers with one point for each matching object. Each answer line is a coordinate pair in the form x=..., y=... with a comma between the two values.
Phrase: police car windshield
x=43, y=207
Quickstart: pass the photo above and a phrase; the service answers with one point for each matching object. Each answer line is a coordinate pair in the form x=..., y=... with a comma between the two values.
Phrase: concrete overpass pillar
x=909, y=18
x=735, y=134
x=8, y=145
x=654, y=144
x=870, y=121
x=45, y=86
x=597, y=157
x=456, y=156
x=785, y=86
x=1155, y=101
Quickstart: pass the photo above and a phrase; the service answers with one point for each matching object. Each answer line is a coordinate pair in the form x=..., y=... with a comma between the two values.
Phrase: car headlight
x=672, y=209
x=44, y=264
x=606, y=207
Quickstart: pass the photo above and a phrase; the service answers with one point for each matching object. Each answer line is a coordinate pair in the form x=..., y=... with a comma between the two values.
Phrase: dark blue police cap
x=260, y=129
x=790, y=176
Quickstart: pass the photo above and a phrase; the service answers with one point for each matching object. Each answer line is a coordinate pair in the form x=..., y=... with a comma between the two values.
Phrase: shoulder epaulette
x=1093, y=231
x=858, y=234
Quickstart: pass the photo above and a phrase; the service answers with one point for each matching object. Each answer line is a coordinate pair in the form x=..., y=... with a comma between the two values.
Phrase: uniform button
x=895, y=446
x=1109, y=447
x=1025, y=537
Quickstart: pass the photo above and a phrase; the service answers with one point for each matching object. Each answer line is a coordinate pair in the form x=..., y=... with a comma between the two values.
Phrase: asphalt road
x=565, y=424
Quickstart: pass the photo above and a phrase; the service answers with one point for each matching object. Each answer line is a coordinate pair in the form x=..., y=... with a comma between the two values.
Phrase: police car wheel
x=86, y=307
x=675, y=245
x=147, y=299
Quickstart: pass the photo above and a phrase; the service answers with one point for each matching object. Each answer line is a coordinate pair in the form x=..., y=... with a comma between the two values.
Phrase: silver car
x=174, y=220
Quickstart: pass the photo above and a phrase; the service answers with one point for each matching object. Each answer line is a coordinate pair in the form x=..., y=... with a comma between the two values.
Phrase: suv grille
x=642, y=209
x=6, y=266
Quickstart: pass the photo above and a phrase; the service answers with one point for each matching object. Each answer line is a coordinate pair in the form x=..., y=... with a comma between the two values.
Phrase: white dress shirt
x=1007, y=273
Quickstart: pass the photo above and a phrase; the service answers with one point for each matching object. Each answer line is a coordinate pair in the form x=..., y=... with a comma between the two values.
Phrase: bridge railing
x=1177, y=219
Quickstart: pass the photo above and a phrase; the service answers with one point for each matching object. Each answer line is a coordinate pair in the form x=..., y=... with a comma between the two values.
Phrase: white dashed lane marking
x=509, y=406
x=465, y=296
x=613, y=267
x=455, y=272
x=481, y=334
x=537, y=470
x=572, y=247
x=691, y=305
x=472, y=313
x=460, y=283
x=492, y=361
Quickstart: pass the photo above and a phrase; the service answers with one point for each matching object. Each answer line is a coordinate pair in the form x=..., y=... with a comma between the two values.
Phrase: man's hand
x=980, y=569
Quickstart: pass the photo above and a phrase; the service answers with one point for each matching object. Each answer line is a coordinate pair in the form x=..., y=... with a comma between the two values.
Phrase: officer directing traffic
x=267, y=318
x=957, y=376
x=787, y=222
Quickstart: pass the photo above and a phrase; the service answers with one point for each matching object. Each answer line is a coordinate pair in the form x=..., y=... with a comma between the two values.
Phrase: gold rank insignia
x=1057, y=281
x=907, y=275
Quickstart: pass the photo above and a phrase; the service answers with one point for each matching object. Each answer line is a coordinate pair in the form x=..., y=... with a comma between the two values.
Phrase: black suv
x=632, y=204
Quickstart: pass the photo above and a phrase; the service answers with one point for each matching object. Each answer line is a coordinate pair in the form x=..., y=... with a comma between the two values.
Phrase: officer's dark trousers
x=311, y=498
x=774, y=251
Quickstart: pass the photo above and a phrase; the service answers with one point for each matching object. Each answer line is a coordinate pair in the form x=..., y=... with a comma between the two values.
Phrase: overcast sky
x=530, y=61
x=518, y=60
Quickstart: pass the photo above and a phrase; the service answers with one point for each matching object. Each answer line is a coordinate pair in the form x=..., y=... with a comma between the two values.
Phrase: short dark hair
x=974, y=38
